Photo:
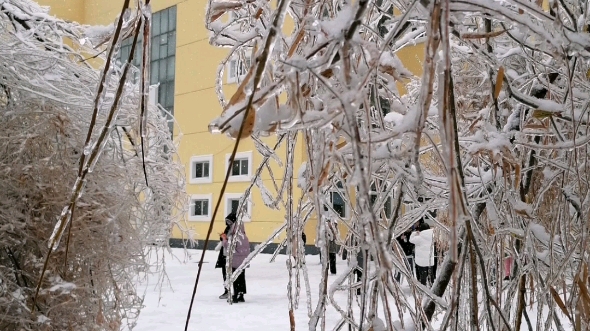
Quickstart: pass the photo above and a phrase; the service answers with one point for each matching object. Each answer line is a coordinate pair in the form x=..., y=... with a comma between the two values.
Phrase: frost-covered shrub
x=47, y=97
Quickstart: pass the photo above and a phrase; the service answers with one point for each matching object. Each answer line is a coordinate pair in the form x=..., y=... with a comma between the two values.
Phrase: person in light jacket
x=241, y=251
x=424, y=253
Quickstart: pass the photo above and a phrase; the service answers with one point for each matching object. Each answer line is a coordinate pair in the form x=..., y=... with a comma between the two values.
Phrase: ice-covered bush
x=72, y=176
x=493, y=135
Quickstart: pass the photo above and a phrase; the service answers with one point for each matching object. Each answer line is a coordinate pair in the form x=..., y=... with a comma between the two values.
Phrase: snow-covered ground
x=266, y=306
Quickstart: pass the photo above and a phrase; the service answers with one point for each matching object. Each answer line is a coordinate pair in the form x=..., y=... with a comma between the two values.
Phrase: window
x=232, y=202
x=337, y=203
x=378, y=189
x=241, y=167
x=378, y=101
x=162, y=56
x=237, y=68
x=201, y=168
x=200, y=207
x=387, y=15
x=126, y=49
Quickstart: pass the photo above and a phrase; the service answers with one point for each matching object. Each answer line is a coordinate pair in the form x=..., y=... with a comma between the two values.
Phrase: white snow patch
x=266, y=299
x=267, y=303
x=18, y=295
x=512, y=51
x=492, y=141
x=549, y=105
x=522, y=207
x=340, y=23
x=548, y=173
x=382, y=151
x=42, y=319
x=97, y=31
x=64, y=287
x=539, y=232
x=395, y=118
x=302, y=176
x=542, y=255
x=268, y=115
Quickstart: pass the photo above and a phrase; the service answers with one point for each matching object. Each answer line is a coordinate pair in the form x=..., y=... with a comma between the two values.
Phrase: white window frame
x=197, y=159
x=200, y=218
x=331, y=209
x=242, y=155
x=233, y=77
x=153, y=94
x=236, y=196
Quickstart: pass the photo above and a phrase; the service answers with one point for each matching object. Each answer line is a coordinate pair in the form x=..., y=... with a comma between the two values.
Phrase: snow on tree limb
x=48, y=94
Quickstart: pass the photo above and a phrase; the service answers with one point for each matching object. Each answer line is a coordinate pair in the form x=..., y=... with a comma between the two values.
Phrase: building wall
x=196, y=105
x=69, y=10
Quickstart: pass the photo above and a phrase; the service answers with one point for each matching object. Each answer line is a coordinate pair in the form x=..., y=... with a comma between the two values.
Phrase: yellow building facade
x=186, y=66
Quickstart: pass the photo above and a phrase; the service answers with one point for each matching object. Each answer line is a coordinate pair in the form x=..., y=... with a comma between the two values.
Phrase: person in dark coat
x=360, y=259
x=304, y=239
x=239, y=254
x=408, y=250
x=332, y=233
x=221, y=261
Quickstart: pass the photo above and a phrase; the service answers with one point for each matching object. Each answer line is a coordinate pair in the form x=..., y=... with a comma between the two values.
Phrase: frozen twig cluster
x=493, y=135
x=85, y=187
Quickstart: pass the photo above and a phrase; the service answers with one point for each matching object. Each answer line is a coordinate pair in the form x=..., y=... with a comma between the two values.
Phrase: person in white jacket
x=424, y=253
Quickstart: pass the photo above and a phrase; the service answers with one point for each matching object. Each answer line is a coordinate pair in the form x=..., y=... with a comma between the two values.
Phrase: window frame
x=227, y=197
x=240, y=156
x=231, y=78
x=165, y=94
x=340, y=191
x=200, y=218
x=153, y=94
x=198, y=159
